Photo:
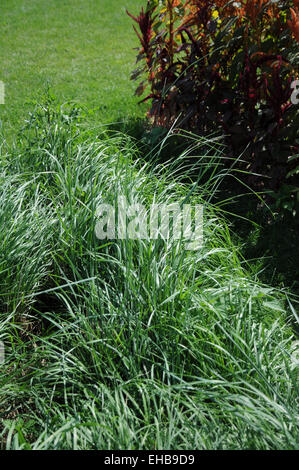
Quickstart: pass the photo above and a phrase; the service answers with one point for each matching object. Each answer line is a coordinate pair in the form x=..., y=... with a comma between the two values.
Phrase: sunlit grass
x=133, y=344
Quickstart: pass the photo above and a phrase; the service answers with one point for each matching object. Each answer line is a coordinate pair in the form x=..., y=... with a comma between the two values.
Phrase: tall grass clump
x=130, y=344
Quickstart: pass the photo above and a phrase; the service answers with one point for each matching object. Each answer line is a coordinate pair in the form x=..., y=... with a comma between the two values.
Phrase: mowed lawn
x=82, y=48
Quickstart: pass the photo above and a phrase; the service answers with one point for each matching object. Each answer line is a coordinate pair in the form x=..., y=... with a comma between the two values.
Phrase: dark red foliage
x=225, y=67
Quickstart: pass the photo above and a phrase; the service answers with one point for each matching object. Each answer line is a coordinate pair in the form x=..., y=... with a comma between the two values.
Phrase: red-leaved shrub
x=227, y=67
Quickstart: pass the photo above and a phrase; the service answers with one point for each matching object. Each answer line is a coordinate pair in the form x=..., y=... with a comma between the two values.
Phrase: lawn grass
x=83, y=49
x=130, y=344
